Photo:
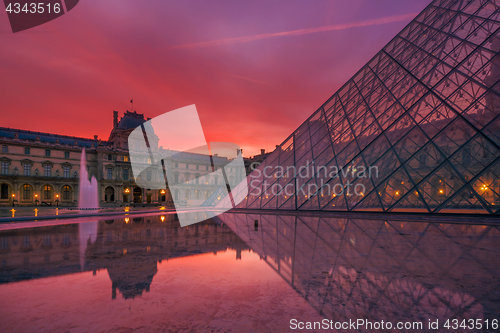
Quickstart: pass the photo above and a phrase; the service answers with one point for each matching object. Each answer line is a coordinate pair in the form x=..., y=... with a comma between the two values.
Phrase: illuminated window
x=125, y=158
x=47, y=192
x=66, y=192
x=26, y=192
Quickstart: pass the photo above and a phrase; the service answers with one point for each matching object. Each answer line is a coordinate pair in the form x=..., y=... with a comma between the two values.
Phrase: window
x=47, y=170
x=27, y=150
x=125, y=174
x=66, y=171
x=176, y=165
x=66, y=154
x=148, y=175
x=110, y=157
x=125, y=158
x=5, y=168
x=47, y=152
x=27, y=169
x=197, y=167
x=206, y=167
x=149, y=161
x=4, y=192
x=187, y=166
x=47, y=192
x=5, y=149
x=26, y=192
x=110, y=173
x=66, y=192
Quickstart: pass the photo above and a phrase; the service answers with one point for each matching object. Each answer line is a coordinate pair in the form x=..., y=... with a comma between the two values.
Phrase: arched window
x=27, y=192
x=4, y=192
x=47, y=192
x=66, y=192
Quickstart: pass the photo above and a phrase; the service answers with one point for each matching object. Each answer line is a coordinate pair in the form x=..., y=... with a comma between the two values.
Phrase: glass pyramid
x=417, y=129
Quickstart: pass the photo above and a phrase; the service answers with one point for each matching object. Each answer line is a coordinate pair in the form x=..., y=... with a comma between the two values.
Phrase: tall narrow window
x=187, y=166
x=5, y=149
x=27, y=169
x=66, y=154
x=148, y=175
x=110, y=173
x=47, y=152
x=110, y=157
x=125, y=174
x=4, y=191
x=66, y=191
x=47, y=192
x=26, y=192
x=125, y=158
x=47, y=170
x=66, y=171
x=27, y=150
x=5, y=168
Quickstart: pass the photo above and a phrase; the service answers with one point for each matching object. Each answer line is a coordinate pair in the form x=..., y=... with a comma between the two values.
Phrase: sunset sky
x=255, y=70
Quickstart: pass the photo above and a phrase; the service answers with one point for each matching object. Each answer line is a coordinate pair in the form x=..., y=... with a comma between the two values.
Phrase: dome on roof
x=131, y=120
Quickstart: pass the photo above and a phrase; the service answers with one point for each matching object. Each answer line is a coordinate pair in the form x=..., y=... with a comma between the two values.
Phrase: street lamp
x=36, y=199
x=127, y=190
x=57, y=199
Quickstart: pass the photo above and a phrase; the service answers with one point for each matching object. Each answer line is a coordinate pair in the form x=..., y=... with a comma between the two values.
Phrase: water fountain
x=88, y=201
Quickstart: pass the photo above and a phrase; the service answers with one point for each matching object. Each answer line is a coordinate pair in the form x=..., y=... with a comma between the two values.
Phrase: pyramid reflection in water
x=417, y=129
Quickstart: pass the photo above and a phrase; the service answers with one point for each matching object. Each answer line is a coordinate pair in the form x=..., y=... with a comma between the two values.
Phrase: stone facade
x=43, y=169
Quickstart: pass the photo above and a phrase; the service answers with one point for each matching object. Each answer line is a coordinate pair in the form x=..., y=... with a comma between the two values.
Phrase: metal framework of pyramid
x=417, y=129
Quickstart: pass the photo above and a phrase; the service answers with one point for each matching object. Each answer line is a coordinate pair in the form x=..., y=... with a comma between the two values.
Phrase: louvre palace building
x=43, y=169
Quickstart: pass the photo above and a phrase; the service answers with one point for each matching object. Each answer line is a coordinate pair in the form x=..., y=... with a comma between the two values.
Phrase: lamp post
x=36, y=199
x=57, y=199
x=13, y=200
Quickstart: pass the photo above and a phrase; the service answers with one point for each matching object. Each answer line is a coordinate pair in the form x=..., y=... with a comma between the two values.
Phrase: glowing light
x=127, y=220
x=148, y=249
x=397, y=192
x=127, y=208
x=57, y=211
x=162, y=208
x=13, y=212
x=441, y=191
x=162, y=191
x=57, y=195
x=162, y=218
x=127, y=190
x=124, y=251
x=36, y=212
x=13, y=195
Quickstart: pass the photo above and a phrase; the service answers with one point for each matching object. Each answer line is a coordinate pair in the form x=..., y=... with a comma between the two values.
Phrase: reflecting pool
x=244, y=273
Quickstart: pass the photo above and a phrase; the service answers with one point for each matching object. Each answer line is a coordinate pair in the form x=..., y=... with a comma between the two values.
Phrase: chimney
x=95, y=137
x=115, y=119
x=262, y=151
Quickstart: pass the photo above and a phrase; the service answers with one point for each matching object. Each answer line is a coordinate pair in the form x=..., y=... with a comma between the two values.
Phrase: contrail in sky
x=244, y=39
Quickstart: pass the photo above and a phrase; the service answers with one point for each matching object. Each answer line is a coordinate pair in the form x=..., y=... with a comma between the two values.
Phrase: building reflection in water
x=129, y=249
x=380, y=269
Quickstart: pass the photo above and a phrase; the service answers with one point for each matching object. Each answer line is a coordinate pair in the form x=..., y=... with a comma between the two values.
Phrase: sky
x=255, y=70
